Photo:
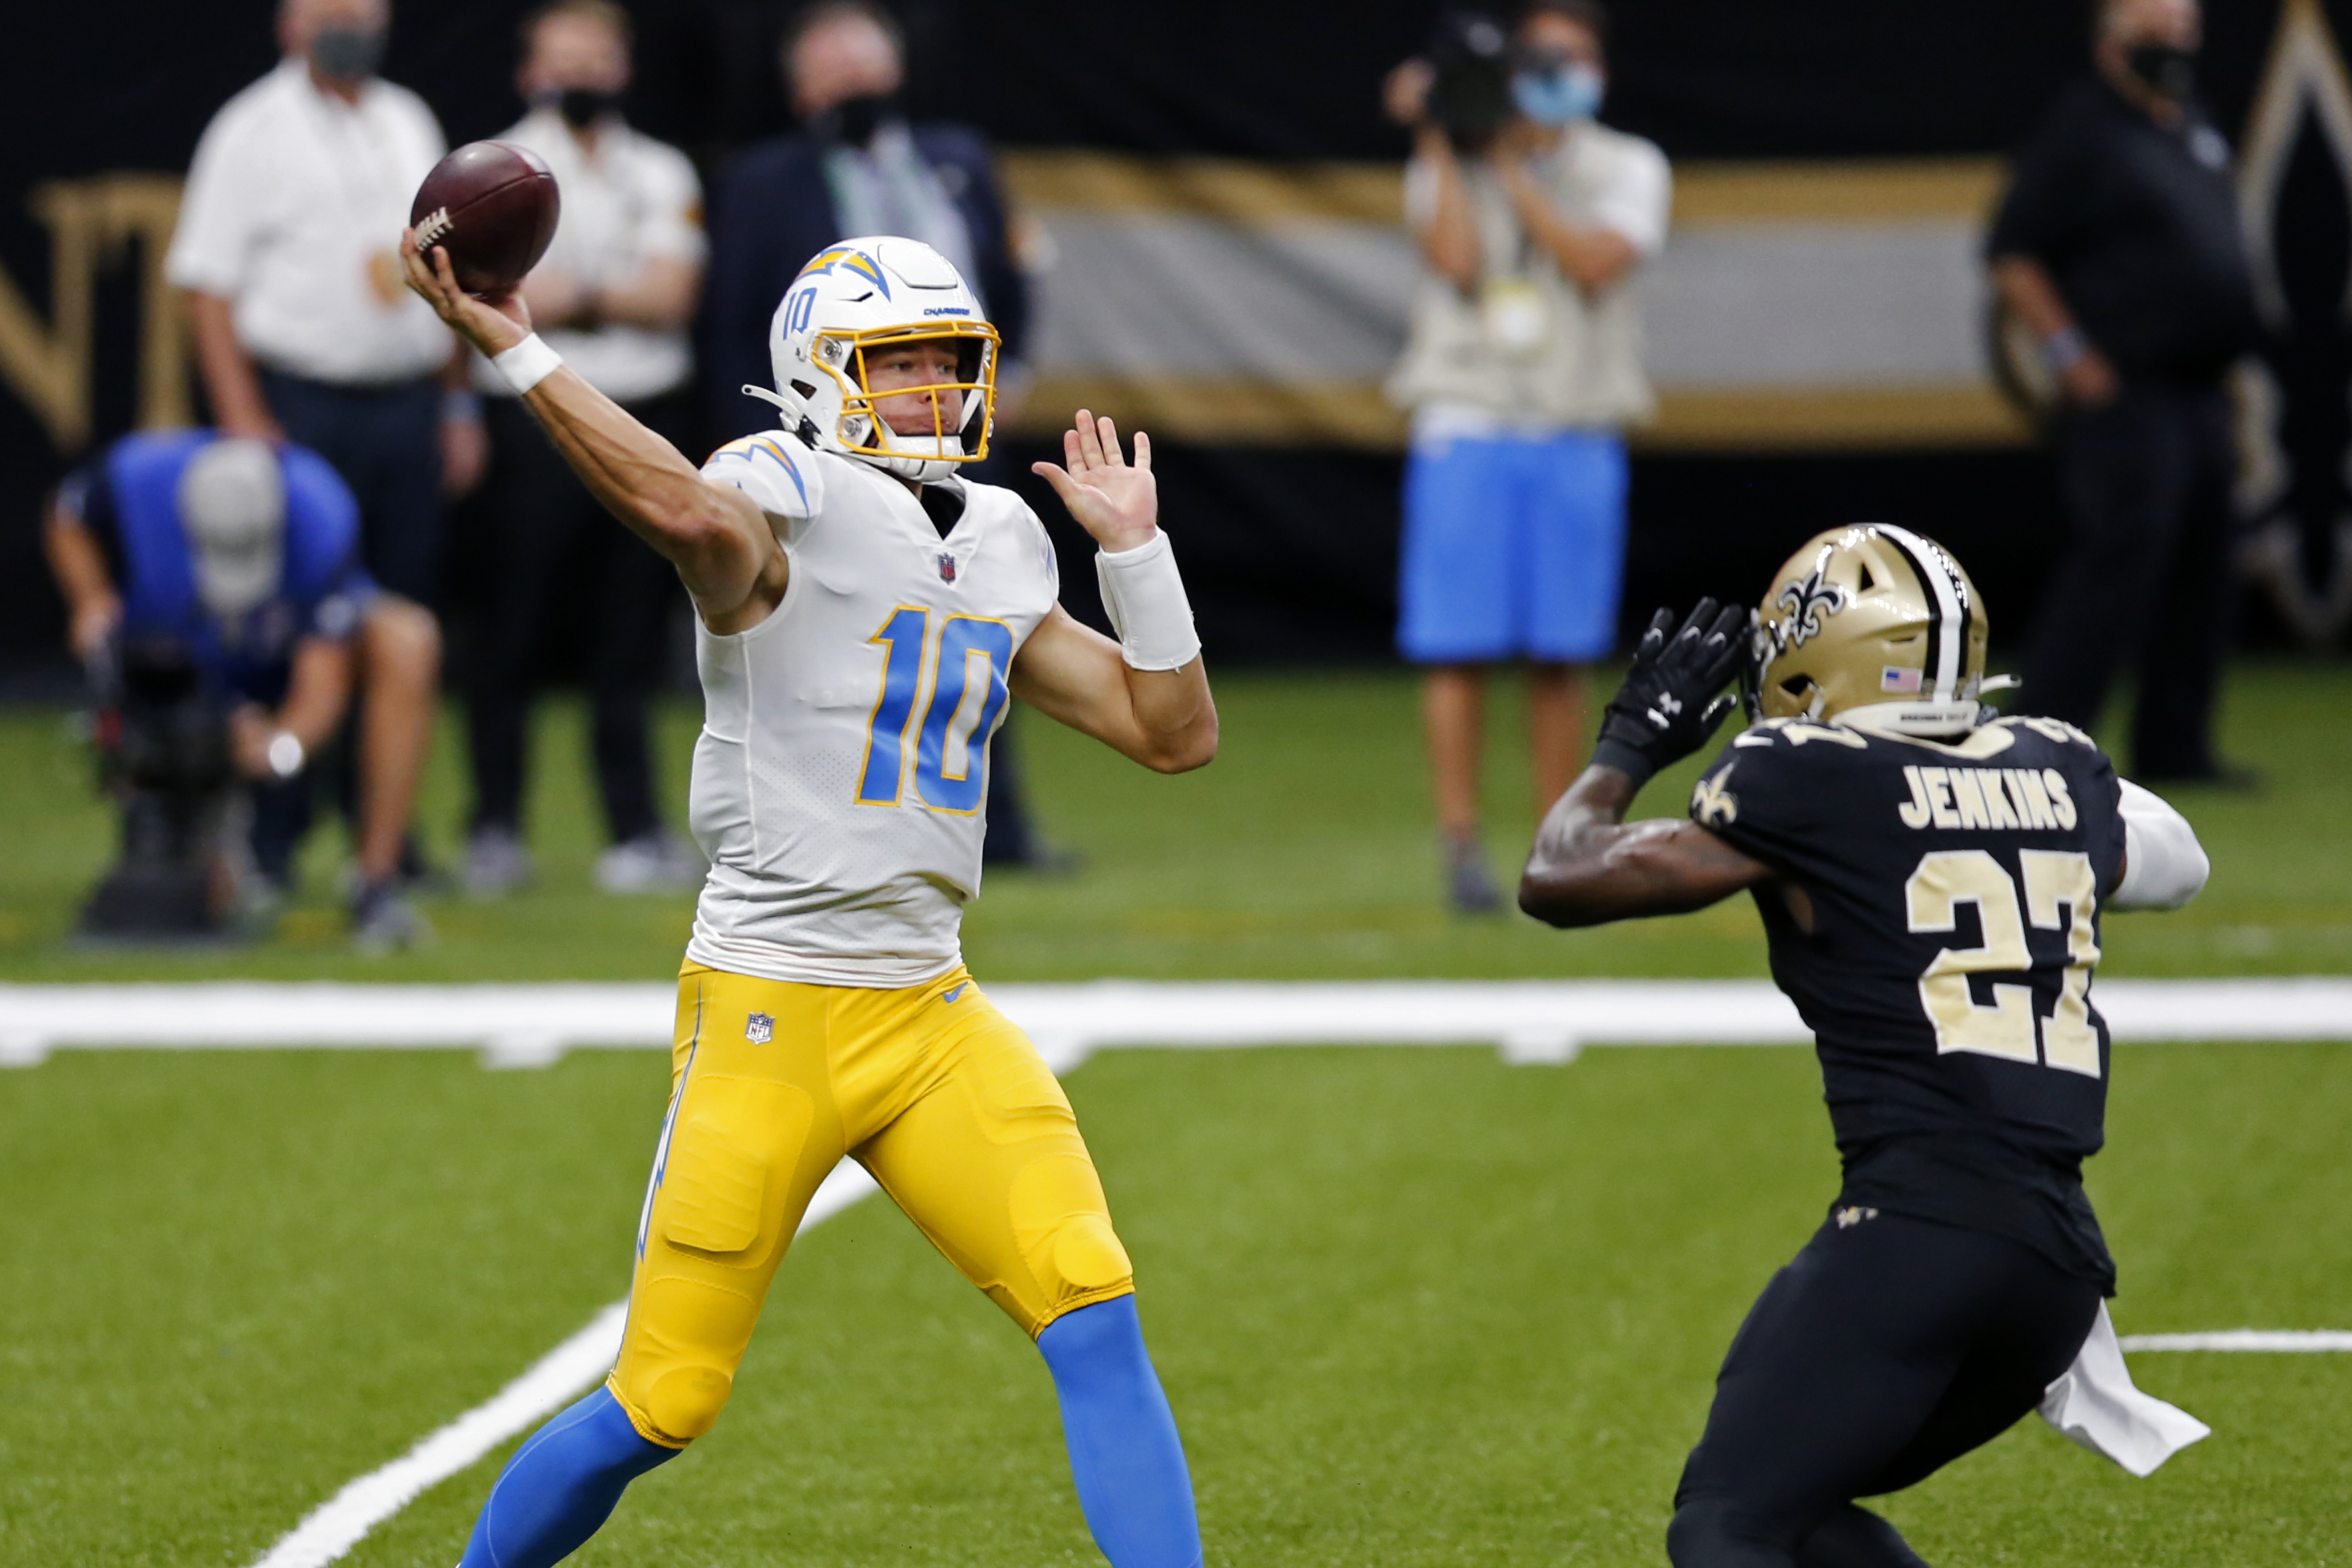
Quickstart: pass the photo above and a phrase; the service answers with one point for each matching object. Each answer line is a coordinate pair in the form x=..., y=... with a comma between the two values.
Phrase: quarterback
x=863, y=614
x=1930, y=876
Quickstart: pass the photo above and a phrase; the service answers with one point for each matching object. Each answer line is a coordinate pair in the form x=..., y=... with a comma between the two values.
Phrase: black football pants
x=542, y=550
x=1887, y=1348
x=2146, y=574
x=385, y=443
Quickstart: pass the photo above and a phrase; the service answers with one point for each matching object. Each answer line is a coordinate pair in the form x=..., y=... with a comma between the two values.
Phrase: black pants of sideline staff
x=539, y=551
x=1886, y=1349
x=385, y=443
x=2147, y=482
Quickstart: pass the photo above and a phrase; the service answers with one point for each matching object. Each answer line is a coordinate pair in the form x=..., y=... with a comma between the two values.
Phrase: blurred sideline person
x=614, y=296
x=1522, y=365
x=304, y=330
x=2119, y=246
x=245, y=555
x=863, y=615
x=858, y=166
x=1961, y=1271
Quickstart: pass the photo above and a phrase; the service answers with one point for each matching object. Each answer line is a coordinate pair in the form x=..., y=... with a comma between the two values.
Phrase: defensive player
x=863, y=612
x=1930, y=876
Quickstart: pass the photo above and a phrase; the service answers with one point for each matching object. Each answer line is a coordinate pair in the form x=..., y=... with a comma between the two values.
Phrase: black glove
x=1669, y=704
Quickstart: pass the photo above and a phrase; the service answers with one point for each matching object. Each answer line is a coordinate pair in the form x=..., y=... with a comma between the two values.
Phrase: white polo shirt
x=293, y=211
x=634, y=200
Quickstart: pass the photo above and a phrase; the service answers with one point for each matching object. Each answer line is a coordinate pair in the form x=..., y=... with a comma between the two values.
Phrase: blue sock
x=1125, y=1455
x=561, y=1486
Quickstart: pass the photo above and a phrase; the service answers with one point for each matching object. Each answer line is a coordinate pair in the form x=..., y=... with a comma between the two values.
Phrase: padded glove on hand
x=1669, y=704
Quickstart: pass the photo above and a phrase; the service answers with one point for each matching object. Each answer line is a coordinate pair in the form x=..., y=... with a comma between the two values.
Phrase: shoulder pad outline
x=1798, y=732
x=2056, y=730
x=772, y=468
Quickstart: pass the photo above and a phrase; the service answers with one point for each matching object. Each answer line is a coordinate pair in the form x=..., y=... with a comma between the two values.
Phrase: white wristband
x=1144, y=597
x=526, y=363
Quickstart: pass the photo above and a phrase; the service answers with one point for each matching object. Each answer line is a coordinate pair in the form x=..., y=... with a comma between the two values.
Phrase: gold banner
x=1266, y=414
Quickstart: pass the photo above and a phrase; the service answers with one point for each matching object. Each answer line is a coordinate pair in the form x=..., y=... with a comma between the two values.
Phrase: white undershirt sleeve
x=2164, y=866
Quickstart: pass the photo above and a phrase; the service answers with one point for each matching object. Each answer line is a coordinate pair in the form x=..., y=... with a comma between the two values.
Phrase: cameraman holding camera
x=1522, y=367
x=212, y=586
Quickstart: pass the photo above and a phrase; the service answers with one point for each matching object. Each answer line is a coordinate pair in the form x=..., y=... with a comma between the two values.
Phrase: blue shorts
x=1514, y=548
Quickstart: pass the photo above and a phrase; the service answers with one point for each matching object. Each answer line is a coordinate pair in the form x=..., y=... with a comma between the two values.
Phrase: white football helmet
x=852, y=297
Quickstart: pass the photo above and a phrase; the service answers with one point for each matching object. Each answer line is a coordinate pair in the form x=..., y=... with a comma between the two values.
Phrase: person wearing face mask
x=286, y=247
x=286, y=251
x=613, y=295
x=859, y=165
x=242, y=554
x=2118, y=246
x=1522, y=367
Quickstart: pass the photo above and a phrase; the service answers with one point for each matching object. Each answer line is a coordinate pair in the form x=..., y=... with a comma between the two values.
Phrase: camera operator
x=238, y=559
x=1522, y=367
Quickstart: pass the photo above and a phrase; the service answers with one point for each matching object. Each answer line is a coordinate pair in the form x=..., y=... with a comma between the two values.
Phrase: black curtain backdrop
x=1291, y=552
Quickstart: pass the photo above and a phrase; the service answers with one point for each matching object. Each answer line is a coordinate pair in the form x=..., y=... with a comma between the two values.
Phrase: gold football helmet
x=1871, y=623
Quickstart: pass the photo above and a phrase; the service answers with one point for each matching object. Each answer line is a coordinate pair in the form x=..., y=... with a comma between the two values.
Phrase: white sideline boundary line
x=534, y=1026
x=2287, y=1341
x=562, y=1374
x=1530, y=1021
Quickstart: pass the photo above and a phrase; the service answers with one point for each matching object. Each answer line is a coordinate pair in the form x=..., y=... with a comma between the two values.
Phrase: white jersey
x=840, y=778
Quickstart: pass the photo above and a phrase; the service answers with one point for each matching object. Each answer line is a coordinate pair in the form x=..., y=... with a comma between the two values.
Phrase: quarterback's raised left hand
x=1669, y=704
x=1116, y=501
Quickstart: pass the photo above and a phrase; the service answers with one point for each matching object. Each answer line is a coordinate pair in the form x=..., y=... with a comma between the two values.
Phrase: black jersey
x=1935, y=920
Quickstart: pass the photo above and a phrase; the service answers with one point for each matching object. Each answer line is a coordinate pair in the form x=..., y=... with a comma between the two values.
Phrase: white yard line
x=2291, y=1341
x=1531, y=1021
x=557, y=1378
x=534, y=1026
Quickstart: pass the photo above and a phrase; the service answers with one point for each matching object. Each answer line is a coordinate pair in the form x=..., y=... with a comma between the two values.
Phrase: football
x=492, y=205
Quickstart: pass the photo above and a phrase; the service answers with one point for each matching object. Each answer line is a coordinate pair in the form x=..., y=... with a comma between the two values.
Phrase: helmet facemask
x=962, y=411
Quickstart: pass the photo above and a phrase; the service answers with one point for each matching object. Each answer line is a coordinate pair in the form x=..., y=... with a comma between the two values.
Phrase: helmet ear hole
x=1796, y=684
x=1866, y=582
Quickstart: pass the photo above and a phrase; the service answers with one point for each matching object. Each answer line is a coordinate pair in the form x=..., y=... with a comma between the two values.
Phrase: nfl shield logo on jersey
x=759, y=1028
x=946, y=567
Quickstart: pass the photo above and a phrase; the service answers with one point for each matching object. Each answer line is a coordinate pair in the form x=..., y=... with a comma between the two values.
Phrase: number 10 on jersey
x=964, y=668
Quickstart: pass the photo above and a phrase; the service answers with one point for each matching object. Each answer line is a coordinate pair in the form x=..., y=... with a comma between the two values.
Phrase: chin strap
x=1927, y=720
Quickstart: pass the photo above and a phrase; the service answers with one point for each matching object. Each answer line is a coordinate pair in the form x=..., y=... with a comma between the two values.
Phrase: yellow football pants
x=930, y=1088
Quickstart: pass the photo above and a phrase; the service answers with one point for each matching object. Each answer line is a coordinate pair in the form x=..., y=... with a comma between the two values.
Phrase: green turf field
x=1305, y=851
x=1414, y=1308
